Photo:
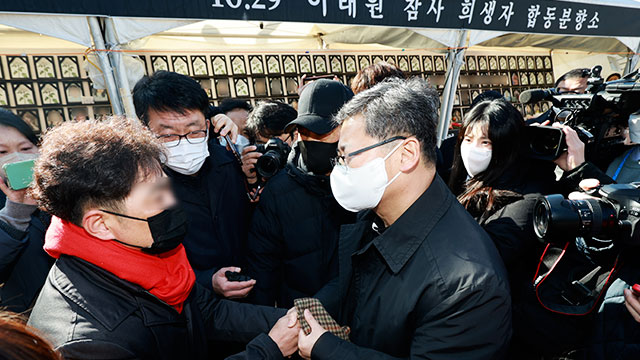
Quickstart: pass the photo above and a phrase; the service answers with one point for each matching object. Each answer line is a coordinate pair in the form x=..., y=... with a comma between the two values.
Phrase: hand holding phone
x=19, y=174
x=236, y=276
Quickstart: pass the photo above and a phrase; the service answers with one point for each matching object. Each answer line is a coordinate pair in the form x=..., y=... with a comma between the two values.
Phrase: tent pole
x=121, y=73
x=454, y=64
x=632, y=61
x=107, y=71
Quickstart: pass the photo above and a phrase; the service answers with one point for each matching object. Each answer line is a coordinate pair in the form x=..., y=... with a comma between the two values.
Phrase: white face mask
x=241, y=143
x=476, y=160
x=634, y=128
x=361, y=188
x=187, y=158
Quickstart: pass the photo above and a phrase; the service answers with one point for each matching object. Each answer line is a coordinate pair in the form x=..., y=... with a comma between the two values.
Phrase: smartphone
x=19, y=174
x=234, y=149
x=312, y=78
x=236, y=276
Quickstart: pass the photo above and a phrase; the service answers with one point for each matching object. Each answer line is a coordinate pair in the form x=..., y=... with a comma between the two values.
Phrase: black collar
x=399, y=242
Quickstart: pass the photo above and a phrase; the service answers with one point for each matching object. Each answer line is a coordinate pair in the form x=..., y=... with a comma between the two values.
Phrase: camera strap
x=556, y=289
x=615, y=176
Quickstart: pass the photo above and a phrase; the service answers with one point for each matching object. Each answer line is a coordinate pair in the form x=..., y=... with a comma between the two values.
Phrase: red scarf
x=168, y=276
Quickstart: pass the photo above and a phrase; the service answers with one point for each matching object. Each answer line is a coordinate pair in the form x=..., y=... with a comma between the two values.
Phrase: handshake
x=288, y=334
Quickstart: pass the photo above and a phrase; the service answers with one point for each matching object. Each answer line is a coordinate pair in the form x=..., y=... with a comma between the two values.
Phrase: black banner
x=527, y=16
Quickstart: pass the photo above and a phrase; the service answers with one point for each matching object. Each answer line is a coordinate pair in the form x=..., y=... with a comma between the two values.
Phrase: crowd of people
x=338, y=229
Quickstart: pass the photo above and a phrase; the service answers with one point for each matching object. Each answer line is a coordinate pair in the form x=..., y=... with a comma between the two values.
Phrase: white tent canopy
x=137, y=33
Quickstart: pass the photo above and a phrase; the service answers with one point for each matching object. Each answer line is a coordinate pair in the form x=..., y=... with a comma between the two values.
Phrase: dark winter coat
x=23, y=263
x=293, y=240
x=216, y=203
x=430, y=286
x=89, y=313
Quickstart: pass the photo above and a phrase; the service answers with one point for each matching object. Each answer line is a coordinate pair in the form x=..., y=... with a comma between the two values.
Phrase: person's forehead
x=174, y=116
x=476, y=130
x=151, y=179
x=237, y=111
x=574, y=82
x=11, y=136
x=173, y=119
x=352, y=132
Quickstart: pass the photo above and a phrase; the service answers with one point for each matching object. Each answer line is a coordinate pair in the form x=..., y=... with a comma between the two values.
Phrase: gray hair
x=398, y=107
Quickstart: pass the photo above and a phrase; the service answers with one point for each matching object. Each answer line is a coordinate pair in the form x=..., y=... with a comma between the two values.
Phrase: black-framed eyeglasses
x=192, y=137
x=568, y=92
x=342, y=159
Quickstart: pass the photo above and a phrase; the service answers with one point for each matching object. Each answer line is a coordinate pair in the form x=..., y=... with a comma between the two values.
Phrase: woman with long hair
x=492, y=179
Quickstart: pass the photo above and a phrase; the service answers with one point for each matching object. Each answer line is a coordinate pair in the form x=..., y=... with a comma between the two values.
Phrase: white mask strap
x=392, y=151
x=399, y=172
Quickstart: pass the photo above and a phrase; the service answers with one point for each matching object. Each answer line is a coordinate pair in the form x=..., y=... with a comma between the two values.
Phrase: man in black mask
x=294, y=233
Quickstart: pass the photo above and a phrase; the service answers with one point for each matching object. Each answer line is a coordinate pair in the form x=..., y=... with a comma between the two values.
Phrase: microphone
x=536, y=95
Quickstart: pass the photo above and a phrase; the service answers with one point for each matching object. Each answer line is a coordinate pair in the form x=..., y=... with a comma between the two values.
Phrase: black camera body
x=599, y=117
x=274, y=157
x=614, y=215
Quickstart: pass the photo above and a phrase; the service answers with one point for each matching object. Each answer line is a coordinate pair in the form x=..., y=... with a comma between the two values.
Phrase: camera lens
x=541, y=218
x=555, y=217
x=547, y=143
x=269, y=164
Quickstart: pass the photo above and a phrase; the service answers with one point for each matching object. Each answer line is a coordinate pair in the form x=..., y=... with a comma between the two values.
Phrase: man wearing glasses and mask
x=206, y=178
x=419, y=278
x=294, y=230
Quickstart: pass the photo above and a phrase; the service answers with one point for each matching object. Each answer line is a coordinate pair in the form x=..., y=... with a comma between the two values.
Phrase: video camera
x=614, y=215
x=274, y=158
x=599, y=117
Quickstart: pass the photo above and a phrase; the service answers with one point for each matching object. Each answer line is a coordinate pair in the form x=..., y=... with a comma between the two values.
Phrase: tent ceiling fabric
x=392, y=37
x=584, y=43
x=66, y=27
x=17, y=41
x=277, y=35
x=130, y=29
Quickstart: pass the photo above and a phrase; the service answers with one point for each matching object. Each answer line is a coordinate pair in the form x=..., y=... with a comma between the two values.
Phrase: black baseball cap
x=318, y=102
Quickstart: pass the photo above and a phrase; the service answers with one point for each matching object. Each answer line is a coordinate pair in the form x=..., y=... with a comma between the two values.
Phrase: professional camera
x=599, y=117
x=274, y=158
x=613, y=216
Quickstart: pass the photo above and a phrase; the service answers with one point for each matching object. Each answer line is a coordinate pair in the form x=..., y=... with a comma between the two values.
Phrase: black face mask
x=317, y=156
x=168, y=229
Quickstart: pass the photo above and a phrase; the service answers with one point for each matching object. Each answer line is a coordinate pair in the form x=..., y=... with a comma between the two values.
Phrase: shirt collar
x=398, y=242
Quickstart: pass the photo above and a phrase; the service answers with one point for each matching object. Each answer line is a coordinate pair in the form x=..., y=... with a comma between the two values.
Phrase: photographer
x=23, y=263
x=572, y=82
x=616, y=331
x=294, y=232
x=265, y=122
x=238, y=111
x=207, y=180
x=122, y=286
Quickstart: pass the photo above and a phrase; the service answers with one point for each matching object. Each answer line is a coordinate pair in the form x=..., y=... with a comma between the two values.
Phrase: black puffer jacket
x=23, y=263
x=89, y=313
x=293, y=239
